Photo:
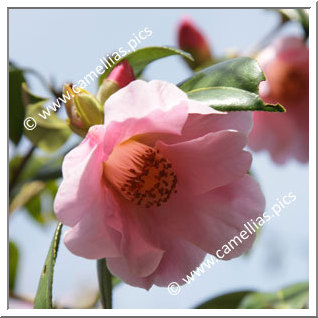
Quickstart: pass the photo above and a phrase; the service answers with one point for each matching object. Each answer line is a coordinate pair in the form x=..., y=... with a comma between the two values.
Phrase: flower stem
x=105, y=283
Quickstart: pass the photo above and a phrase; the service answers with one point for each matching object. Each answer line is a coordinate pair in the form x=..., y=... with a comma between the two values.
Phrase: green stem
x=105, y=283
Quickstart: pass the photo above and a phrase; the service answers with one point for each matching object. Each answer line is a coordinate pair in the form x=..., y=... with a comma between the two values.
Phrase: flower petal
x=82, y=171
x=198, y=125
x=139, y=250
x=214, y=218
x=178, y=259
x=157, y=122
x=181, y=257
x=208, y=162
x=92, y=238
x=144, y=98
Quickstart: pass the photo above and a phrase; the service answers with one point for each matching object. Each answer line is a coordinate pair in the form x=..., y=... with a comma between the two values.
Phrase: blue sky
x=66, y=45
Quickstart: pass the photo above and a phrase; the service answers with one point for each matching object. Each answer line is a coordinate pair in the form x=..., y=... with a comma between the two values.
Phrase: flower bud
x=119, y=77
x=82, y=108
x=191, y=39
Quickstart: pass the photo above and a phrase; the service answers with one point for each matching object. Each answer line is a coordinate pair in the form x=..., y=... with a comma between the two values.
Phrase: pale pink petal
x=208, y=162
x=198, y=125
x=140, y=98
x=121, y=269
x=157, y=122
x=138, y=245
x=179, y=256
x=91, y=237
x=214, y=218
x=81, y=186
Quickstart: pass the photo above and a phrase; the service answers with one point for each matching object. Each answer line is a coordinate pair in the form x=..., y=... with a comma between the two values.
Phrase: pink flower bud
x=191, y=39
x=118, y=78
x=122, y=74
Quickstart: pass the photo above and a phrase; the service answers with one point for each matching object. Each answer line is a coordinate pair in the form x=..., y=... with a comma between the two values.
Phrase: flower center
x=140, y=173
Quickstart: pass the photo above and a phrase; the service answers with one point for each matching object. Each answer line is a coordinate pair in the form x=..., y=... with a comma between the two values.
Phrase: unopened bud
x=192, y=40
x=119, y=77
x=83, y=109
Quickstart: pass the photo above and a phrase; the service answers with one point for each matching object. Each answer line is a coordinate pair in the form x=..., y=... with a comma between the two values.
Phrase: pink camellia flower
x=192, y=40
x=284, y=135
x=163, y=182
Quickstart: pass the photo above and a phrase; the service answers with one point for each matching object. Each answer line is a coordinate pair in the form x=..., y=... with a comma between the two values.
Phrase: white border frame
x=312, y=163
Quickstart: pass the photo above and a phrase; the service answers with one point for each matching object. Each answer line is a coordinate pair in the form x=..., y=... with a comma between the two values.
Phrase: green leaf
x=16, y=107
x=232, y=99
x=140, y=58
x=36, y=168
x=29, y=169
x=43, y=297
x=34, y=209
x=51, y=170
x=13, y=264
x=42, y=211
x=226, y=301
x=291, y=297
x=242, y=72
x=50, y=133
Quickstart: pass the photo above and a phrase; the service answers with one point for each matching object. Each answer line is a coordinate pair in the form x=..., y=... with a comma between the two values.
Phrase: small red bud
x=192, y=40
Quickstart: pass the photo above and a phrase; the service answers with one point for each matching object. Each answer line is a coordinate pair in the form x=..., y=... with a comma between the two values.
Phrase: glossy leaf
x=291, y=297
x=16, y=107
x=33, y=208
x=51, y=170
x=232, y=99
x=43, y=297
x=226, y=301
x=13, y=264
x=40, y=207
x=33, y=167
x=50, y=133
x=140, y=58
x=28, y=170
x=242, y=72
